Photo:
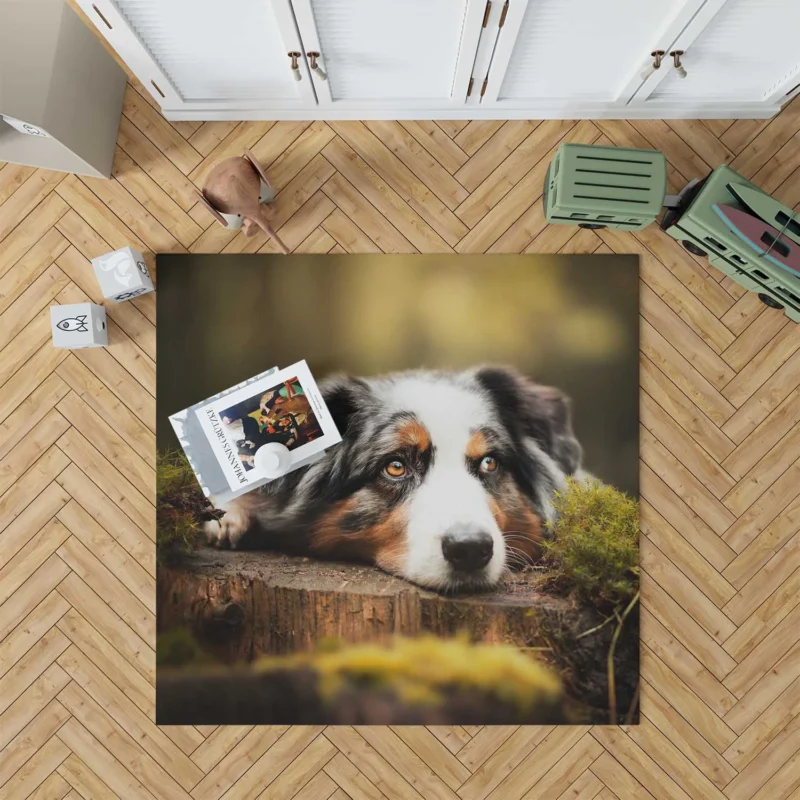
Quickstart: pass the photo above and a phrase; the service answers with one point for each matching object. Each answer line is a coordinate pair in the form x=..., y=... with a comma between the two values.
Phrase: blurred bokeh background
x=571, y=321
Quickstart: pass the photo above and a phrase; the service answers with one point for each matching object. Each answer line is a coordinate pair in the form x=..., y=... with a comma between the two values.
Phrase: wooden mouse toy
x=235, y=193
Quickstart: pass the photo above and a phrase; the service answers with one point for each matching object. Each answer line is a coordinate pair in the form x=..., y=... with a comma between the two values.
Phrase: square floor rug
x=457, y=539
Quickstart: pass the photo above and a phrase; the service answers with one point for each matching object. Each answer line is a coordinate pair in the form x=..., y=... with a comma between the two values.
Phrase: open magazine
x=222, y=435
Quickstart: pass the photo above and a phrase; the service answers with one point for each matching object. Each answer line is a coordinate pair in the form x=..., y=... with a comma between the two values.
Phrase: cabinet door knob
x=657, y=55
x=317, y=70
x=295, y=66
x=676, y=59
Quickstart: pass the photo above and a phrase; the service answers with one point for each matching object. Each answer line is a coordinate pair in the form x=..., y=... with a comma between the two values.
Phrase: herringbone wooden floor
x=720, y=467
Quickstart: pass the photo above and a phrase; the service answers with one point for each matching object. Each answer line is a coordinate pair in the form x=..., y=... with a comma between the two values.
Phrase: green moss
x=420, y=669
x=594, y=549
x=181, y=503
x=177, y=648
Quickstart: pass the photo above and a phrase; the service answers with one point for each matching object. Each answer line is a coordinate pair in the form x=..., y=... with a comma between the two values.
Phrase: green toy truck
x=744, y=232
x=696, y=225
x=605, y=187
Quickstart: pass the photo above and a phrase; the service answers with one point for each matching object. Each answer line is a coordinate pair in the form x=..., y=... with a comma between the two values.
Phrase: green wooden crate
x=701, y=231
x=605, y=187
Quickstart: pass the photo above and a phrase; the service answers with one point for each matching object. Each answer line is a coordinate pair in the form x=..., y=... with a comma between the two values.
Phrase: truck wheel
x=592, y=226
x=693, y=249
x=769, y=301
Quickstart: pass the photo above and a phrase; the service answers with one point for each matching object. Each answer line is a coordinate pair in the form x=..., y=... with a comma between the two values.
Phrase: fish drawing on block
x=77, y=324
x=767, y=241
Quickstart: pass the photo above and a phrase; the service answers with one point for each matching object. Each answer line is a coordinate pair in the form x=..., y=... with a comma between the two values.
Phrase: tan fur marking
x=392, y=557
x=413, y=434
x=384, y=544
x=327, y=530
x=520, y=526
x=477, y=446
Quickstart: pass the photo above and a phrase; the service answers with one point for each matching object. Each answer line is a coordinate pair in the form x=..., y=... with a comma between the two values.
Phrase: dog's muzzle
x=467, y=549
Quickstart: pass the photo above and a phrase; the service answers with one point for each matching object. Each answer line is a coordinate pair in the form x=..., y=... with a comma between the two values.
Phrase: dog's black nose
x=467, y=551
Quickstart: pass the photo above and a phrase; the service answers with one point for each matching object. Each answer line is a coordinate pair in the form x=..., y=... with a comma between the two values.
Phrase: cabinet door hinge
x=469, y=88
x=483, y=88
x=486, y=13
x=503, y=15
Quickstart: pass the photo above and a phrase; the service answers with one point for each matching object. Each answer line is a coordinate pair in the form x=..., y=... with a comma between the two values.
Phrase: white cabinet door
x=742, y=51
x=578, y=54
x=390, y=54
x=208, y=54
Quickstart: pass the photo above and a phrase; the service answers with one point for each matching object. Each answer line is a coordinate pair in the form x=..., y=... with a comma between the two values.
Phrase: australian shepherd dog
x=442, y=478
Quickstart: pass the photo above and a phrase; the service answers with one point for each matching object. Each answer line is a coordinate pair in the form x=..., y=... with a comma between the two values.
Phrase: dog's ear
x=538, y=412
x=344, y=397
x=554, y=406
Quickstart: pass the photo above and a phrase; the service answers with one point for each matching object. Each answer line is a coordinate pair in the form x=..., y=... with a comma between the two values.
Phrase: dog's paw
x=227, y=531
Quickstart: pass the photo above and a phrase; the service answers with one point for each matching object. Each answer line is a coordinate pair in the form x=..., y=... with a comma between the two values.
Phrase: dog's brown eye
x=395, y=469
x=488, y=464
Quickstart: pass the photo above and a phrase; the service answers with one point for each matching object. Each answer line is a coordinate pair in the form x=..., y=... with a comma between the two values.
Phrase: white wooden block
x=122, y=274
x=79, y=325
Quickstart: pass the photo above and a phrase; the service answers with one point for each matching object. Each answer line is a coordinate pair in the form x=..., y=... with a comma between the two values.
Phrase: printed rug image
x=455, y=539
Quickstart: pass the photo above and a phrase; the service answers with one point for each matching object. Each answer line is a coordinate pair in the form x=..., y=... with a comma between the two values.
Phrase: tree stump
x=242, y=605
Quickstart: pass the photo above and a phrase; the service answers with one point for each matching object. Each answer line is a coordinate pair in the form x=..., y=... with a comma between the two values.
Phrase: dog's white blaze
x=450, y=496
